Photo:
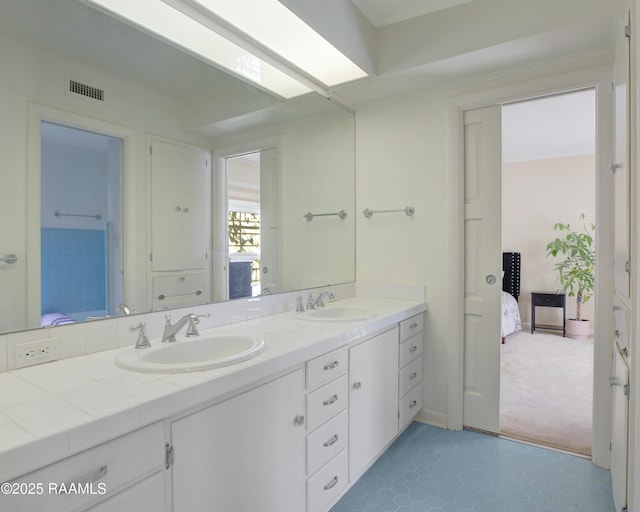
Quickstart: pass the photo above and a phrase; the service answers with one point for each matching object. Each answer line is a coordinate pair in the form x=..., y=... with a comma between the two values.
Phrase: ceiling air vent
x=86, y=90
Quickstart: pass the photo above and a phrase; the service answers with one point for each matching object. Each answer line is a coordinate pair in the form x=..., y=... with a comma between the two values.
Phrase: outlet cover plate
x=36, y=352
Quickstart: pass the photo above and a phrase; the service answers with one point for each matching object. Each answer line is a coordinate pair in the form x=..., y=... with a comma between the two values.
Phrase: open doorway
x=243, y=189
x=549, y=178
x=80, y=224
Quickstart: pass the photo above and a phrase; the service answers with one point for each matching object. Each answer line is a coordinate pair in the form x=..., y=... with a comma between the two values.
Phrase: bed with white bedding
x=510, y=319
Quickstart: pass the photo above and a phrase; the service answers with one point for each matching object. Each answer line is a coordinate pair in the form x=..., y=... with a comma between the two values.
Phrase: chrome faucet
x=319, y=302
x=170, y=331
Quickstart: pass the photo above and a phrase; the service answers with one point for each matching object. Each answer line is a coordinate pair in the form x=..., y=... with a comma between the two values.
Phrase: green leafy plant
x=244, y=230
x=577, y=269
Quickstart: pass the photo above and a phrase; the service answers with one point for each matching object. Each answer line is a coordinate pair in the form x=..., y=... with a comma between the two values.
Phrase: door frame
x=132, y=285
x=220, y=238
x=598, y=78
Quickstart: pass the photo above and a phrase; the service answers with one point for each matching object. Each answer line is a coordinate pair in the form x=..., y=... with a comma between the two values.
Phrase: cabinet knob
x=298, y=421
x=413, y=349
x=357, y=385
x=413, y=375
x=413, y=404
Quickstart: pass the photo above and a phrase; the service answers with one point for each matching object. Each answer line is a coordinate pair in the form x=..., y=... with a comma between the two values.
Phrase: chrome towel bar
x=309, y=216
x=58, y=213
x=409, y=211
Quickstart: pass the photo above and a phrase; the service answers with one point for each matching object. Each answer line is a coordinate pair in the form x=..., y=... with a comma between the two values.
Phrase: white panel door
x=619, y=429
x=482, y=267
x=180, y=206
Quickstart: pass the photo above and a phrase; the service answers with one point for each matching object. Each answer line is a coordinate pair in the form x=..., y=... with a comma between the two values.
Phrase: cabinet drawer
x=145, y=495
x=410, y=349
x=410, y=375
x=112, y=466
x=326, y=402
x=411, y=326
x=167, y=286
x=327, y=441
x=327, y=484
x=327, y=367
x=410, y=405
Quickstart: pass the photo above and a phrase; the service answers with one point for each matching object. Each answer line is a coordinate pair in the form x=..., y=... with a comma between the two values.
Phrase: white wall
x=535, y=196
x=401, y=160
x=407, y=154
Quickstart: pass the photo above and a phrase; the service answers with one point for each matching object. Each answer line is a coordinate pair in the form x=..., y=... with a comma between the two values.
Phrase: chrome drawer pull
x=413, y=404
x=92, y=477
x=413, y=325
x=413, y=349
x=331, y=484
x=298, y=421
x=357, y=385
x=413, y=375
x=331, y=400
x=330, y=366
x=331, y=441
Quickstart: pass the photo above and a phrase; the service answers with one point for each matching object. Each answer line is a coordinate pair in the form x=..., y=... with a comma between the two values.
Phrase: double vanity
x=278, y=413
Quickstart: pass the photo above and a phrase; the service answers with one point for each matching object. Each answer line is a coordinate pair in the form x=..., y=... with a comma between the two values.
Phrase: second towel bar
x=409, y=211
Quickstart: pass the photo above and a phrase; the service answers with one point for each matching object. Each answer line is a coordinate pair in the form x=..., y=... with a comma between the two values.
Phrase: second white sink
x=202, y=353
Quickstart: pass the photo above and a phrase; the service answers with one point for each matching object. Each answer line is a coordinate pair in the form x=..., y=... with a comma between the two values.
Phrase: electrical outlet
x=36, y=352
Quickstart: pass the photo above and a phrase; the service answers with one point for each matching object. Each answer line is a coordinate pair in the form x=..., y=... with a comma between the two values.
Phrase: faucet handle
x=193, y=321
x=142, y=341
x=299, y=304
x=310, y=304
x=167, y=320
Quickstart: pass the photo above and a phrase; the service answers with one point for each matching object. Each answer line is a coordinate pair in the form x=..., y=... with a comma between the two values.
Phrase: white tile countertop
x=56, y=409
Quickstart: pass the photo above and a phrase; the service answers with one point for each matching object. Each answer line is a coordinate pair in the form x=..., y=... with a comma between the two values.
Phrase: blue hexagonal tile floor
x=429, y=469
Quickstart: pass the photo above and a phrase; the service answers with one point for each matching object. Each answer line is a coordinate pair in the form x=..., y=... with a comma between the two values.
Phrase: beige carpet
x=546, y=390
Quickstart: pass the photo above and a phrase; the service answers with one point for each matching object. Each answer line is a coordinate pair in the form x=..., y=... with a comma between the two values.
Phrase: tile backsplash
x=89, y=337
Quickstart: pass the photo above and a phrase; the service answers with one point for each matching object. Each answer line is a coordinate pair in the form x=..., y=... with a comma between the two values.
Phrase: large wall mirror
x=136, y=173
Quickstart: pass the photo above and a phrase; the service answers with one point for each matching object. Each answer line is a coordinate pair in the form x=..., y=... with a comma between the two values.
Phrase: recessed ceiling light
x=166, y=22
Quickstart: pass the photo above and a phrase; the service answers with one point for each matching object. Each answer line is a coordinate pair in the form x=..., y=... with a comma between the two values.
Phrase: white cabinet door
x=245, y=454
x=180, y=206
x=619, y=430
x=373, y=399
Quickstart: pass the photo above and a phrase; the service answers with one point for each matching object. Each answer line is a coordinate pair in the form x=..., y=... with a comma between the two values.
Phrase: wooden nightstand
x=550, y=300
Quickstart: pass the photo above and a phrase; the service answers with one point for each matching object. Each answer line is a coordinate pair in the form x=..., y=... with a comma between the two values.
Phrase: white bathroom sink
x=201, y=353
x=337, y=314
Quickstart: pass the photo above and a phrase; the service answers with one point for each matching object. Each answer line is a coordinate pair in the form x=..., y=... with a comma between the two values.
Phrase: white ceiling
x=432, y=43
x=385, y=12
x=551, y=127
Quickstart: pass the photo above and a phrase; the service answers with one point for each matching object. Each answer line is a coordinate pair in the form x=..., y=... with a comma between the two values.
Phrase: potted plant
x=576, y=270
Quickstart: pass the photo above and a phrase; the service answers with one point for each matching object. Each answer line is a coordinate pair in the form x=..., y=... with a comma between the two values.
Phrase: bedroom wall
x=535, y=196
